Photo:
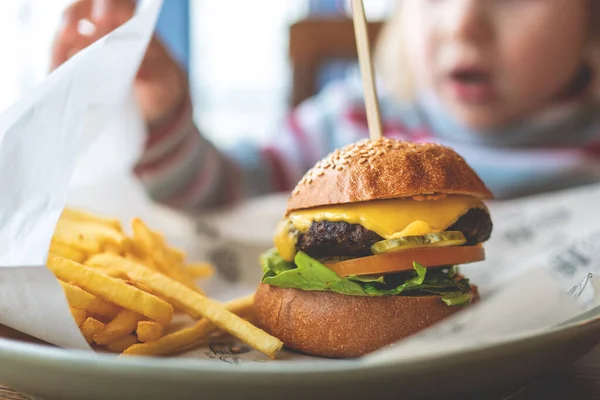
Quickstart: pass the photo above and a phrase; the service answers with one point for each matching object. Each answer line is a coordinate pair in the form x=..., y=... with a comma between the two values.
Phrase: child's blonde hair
x=393, y=66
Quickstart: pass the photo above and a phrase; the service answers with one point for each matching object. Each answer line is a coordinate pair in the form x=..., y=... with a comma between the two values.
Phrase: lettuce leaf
x=416, y=280
x=367, y=278
x=456, y=298
x=306, y=273
x=273, y=263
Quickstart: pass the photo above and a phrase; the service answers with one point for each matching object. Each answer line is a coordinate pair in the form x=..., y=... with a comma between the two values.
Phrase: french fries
x=200, y=270
x=112, y=248
x=144, y=261
x=149, y=331
x=111, y=289
x=90, y=327
x=122, y=325
x=165, y=260
x=79, y=315
x=59, y=249
x=190, y=302
x=123, y=290
x=88, y=238
x=120, y=345
x=83, y=300
x=187, y=337
x=177, y=254
x=80, y=216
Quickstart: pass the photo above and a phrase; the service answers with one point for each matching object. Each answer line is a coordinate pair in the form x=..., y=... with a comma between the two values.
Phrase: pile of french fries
x=124, y=290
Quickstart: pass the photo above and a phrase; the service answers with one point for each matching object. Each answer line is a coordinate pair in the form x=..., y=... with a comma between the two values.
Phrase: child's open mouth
x=471, y=85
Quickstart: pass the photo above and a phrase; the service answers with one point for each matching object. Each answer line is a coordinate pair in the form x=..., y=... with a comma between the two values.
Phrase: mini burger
x=367, y=251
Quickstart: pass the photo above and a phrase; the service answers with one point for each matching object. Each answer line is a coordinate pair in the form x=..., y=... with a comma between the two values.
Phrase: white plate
x=235, y=238
x=52, y=373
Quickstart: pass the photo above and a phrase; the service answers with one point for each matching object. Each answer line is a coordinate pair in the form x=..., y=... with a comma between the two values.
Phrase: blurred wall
x=239, y=68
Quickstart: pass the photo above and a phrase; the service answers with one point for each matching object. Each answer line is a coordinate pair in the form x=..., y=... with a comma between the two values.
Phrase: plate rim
x=35, y=352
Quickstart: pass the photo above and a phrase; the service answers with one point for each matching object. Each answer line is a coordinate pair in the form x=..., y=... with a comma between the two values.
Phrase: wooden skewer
x=366, y=69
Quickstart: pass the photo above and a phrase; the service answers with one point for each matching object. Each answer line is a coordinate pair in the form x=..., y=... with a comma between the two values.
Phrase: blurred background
x=236, y=52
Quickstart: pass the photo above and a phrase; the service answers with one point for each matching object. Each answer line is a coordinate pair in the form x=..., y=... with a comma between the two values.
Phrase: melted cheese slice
x=416, y=228
x=388, y=218
x=285, y=240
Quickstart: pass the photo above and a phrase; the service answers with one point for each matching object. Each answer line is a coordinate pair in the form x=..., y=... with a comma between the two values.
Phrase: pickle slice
x=435, y=239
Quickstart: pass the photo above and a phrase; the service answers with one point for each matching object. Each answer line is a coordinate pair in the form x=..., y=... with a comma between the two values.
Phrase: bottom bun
x=329, y=324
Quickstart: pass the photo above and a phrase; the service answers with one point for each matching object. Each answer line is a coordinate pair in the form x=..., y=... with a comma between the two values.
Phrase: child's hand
x=160, y=85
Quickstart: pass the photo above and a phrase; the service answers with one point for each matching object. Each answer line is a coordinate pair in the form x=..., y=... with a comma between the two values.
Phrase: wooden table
x=578, y=381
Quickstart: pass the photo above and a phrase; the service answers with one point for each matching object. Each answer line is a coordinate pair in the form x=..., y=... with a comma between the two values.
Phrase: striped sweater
x=557, y=149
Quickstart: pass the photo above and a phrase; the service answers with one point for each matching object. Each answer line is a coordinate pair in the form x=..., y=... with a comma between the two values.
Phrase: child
x=509, y=84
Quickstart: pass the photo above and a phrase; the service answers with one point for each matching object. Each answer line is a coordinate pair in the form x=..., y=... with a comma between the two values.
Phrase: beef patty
x=342, y=239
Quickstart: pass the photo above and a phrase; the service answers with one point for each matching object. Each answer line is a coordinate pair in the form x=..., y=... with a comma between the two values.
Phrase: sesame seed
x=362, y=161
x=321, y=173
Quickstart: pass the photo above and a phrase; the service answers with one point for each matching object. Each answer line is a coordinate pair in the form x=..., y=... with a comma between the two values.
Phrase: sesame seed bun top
x=385, y=169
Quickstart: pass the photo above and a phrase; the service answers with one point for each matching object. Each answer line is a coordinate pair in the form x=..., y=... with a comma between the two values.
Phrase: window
x=239, y=69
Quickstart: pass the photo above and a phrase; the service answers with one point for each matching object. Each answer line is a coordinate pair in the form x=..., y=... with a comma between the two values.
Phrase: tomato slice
x=397, y=261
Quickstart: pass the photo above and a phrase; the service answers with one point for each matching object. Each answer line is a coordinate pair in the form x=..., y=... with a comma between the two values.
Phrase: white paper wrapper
x=43, y=138
x=558, y=232
x=54, y=145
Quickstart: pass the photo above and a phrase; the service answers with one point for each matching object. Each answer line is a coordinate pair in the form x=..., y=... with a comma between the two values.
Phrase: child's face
x=493, y=61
